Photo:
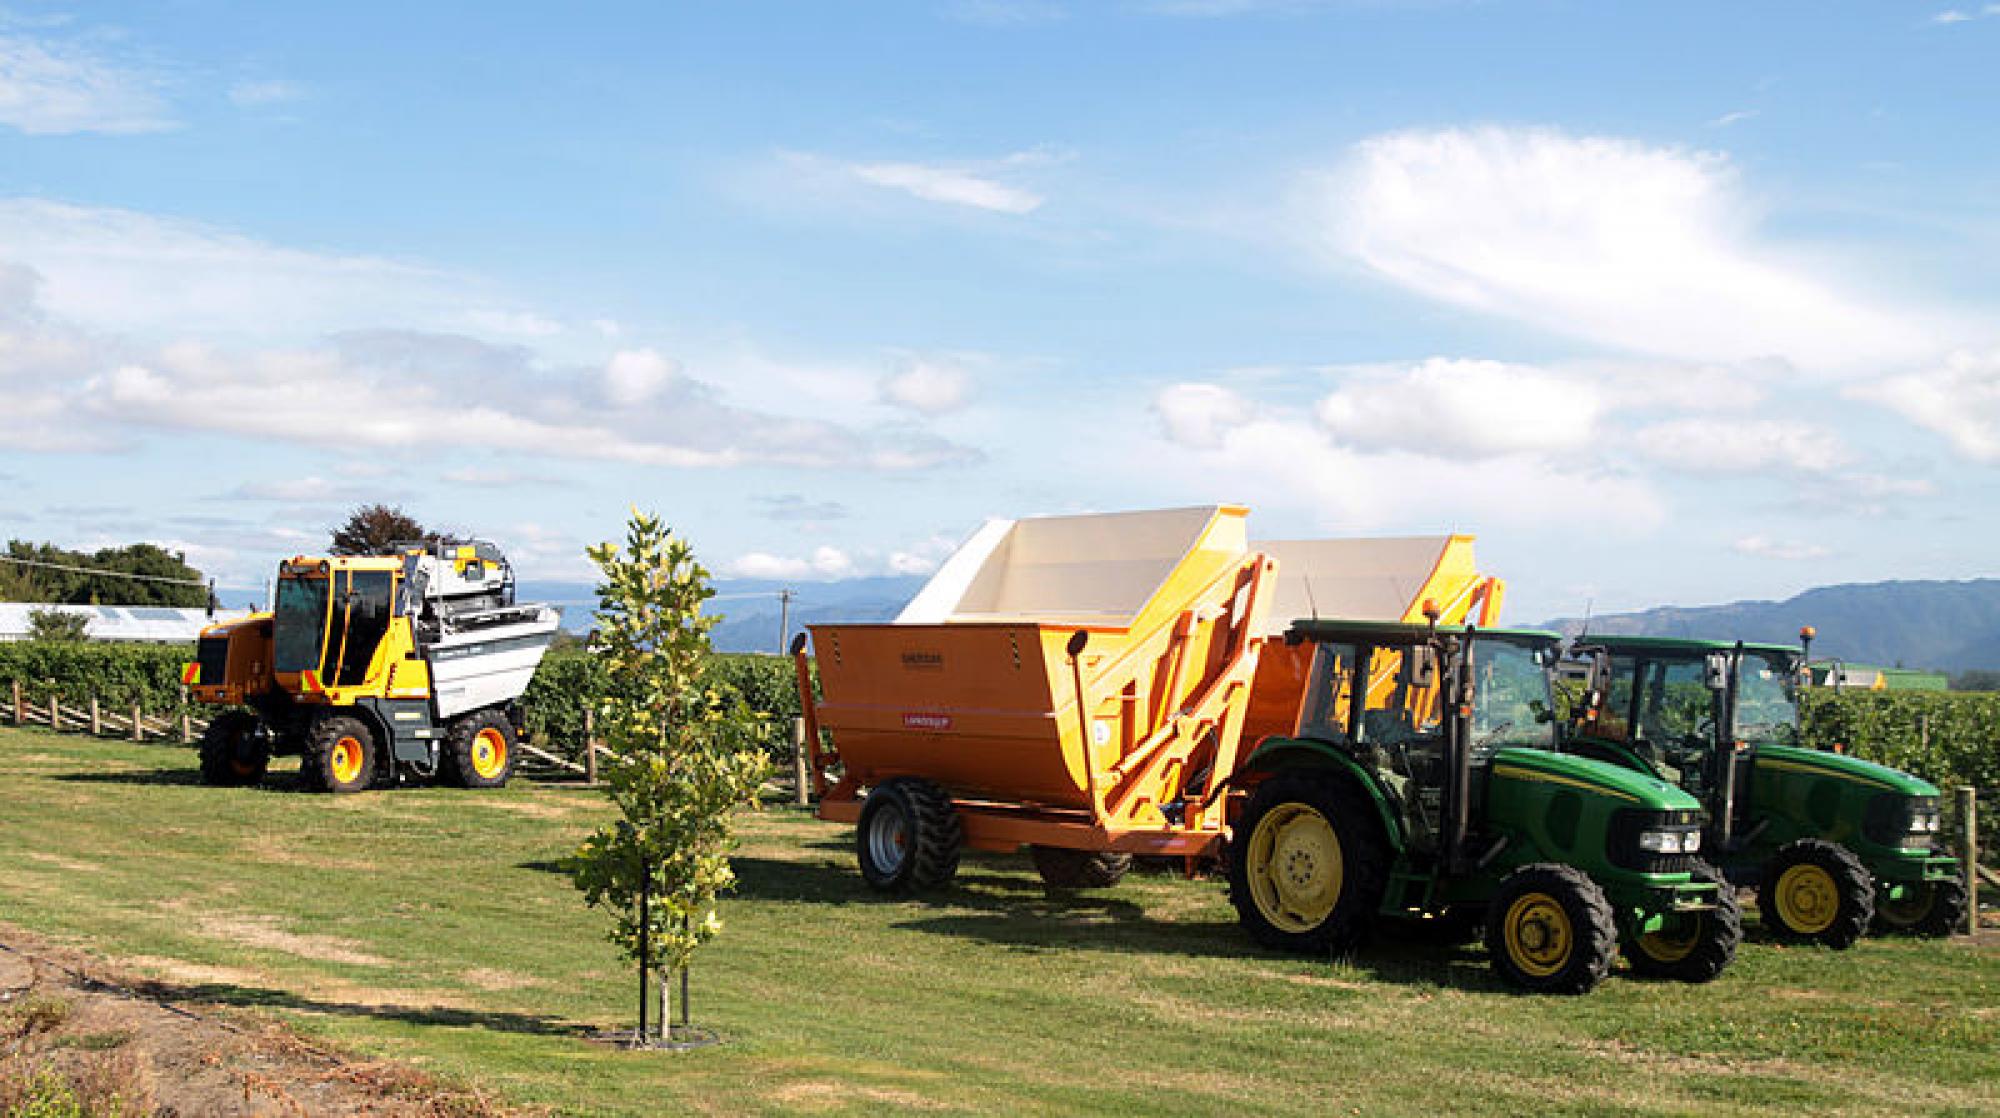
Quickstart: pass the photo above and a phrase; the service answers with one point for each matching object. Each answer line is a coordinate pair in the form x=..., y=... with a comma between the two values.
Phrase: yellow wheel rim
x=1671, y=944
x=1295, y=868
x=346, y=760
x=1538, y=934
x=1808, y=901
x=489, y=753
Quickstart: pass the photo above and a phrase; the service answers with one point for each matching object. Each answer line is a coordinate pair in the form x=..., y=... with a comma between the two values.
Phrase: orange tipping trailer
x=1083, y=686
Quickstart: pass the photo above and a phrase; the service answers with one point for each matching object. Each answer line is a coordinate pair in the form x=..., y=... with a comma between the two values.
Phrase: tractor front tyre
x=1063, y=868
x=341, y=755
x=233, y=753
x=908, y=838
x=1931, y=908
x=1693, y=946
x=1815, y=891
x=479, y=750
x=1550, y=930
x=1307, y=864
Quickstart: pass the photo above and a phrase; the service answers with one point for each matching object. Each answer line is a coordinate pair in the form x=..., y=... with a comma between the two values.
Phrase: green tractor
x=1832, y=843
x=1421, y=790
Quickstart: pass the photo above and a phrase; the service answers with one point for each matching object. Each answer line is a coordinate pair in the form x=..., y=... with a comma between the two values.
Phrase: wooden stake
x=590, y=745
x=20, y=708
x=138, y=723
x=55, y=714
x=1968, y=852
x=96, y=719
x=803, y=793
x=187, y=727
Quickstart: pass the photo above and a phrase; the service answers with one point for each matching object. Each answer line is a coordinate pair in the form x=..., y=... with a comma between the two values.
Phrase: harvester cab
x=1833, y=843
x=370, y=666
x=1420, y=787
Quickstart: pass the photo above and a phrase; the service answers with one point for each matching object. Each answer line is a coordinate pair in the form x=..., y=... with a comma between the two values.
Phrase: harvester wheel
x=340, y=755
x=479, y=750
x=1932, y=908
x=1815, y=891
x=1550, y=930
x=1307, y=864
x=1694, y=946
x=232, y=752
x=908, y=838
x=1063, y=868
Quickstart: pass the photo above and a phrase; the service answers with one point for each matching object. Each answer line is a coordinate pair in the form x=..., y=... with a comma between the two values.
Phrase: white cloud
x=1199, y=415
x=1448, y=405
x=824, y=563
x=305, y=490
x=928, y=386
x=1629, y=246
x=55, y=88
x=638, y=375
x=1738, y=446
x=949, y=185
x=1737, y=117
x=1959, y=399
x=257, y=94
x=1794, y=551
x=923, y=557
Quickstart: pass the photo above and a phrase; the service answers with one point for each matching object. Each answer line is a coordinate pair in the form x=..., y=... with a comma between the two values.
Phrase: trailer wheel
x=232, y=752
x=1063, y=868
x=1930, y=908
x=1816, y=891
x=479, y=750
x=1550, y=930
x=908, y=837
x=1694, y=946
x=340, y=754
x=1307, y=864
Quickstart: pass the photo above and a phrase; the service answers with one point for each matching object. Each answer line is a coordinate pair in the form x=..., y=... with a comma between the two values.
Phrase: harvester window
x=300, y=618
x=363, y=612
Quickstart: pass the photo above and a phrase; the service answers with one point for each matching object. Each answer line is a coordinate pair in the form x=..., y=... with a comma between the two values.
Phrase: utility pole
x=785, y=597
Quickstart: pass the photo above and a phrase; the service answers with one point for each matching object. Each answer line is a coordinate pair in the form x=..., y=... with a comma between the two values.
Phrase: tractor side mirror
x=1077, y=642
x=798, y=643
x=1716, y=675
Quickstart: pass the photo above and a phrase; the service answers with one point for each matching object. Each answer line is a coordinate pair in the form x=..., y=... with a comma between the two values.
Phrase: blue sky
x=1668, y=303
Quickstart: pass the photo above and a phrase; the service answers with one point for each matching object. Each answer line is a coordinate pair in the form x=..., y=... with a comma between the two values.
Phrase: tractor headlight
x=1670, y=842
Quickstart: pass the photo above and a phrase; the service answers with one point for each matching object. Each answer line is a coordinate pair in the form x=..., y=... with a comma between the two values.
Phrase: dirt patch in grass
x=73, y=865
x=76, y=1031
x=815, y=1095
x=263, y=932
x=533, y=809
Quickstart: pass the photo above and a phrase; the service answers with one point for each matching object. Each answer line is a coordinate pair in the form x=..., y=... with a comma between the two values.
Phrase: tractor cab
x=328, y=620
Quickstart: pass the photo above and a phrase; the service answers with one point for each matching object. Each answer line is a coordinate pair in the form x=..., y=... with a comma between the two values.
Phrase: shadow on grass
x=275, y=782
x=256, y=997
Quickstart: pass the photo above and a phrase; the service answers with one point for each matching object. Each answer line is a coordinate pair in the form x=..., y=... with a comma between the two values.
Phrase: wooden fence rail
x=97, y=720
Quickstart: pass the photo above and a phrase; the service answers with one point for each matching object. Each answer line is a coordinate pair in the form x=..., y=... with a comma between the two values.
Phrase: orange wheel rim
x=489, y=753
x=346, y=760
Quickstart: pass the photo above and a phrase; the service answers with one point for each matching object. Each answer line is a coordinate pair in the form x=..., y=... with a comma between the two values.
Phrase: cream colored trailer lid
x=1099, y=568
x=1355, y=580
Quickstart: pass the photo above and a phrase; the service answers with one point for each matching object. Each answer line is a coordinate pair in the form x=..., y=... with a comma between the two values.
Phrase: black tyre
x=908, y=838
x=1693, y=946
x=234, y=751
x=1933, y=908
x=341, y=754
x=1550, y=930
x=1815, y=891
x=479, y=750
x=1308, y=864
x=1062, y=868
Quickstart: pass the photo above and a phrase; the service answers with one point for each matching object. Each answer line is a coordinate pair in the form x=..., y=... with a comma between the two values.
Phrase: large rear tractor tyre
x=1693, y=946
x=233, y=752
x=1550, y=930
x=341, y=755
x=908, y=839
x=1308, y=864
x=1934, y=908
x=1062, y=868
x=479, y=750
x=1815, y=891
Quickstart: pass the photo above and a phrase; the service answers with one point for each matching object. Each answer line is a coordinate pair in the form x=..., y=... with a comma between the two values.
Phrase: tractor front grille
x=212, y=654
x=1623, y=840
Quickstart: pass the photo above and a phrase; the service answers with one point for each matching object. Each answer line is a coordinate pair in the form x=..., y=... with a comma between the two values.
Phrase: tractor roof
x=1670, y=645
x=1401, y=632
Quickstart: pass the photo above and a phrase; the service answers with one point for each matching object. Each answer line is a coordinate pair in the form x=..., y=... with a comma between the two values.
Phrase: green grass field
x=434, y=926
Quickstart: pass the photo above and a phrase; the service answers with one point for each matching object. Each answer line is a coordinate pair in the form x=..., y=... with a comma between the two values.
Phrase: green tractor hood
x=1636, y=789
x=1814, y=762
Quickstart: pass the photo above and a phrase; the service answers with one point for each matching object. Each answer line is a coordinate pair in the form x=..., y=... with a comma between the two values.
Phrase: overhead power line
x=103, y=573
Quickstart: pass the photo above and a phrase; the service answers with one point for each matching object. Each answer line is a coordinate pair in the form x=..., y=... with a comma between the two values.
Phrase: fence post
x=20, y=709
x=187, y=727
x=138, y=723
x=1968, y=853
x=802, y=797
x=96, y=719
x=55, y=712
x=590, y=745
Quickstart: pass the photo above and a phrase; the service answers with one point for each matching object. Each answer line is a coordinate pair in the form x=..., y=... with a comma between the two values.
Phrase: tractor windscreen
x=1328, y=710
x=300, y=620
x=1510, y=696
x=1767, y=700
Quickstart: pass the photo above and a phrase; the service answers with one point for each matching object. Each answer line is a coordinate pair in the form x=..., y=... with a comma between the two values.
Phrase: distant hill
x=1944, y=626
x=750, y=607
